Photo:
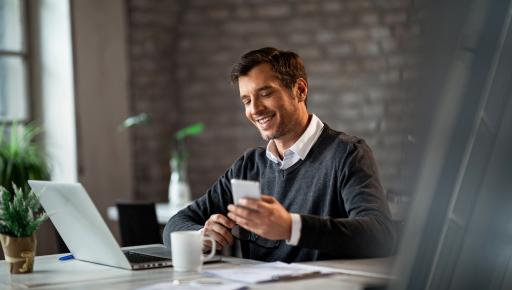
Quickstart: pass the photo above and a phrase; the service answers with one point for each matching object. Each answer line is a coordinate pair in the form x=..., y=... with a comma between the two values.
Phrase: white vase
x=179, y=190
x=179, y=193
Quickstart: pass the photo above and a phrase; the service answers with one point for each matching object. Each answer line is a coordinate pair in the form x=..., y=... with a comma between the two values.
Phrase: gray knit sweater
x=335, y=189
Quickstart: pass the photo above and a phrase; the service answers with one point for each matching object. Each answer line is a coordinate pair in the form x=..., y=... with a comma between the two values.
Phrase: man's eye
x=265, y=93
x=246, y=101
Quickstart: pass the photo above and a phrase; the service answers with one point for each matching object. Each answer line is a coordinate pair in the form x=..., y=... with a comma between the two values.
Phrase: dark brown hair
x=287, y=65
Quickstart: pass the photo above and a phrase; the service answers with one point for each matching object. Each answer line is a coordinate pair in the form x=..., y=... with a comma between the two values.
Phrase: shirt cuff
x=296, y=227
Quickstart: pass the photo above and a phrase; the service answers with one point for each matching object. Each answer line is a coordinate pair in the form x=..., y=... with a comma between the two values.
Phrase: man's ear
x=302, y=89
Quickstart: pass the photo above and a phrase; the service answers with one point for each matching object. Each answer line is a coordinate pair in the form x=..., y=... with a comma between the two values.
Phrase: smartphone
x=245, y=189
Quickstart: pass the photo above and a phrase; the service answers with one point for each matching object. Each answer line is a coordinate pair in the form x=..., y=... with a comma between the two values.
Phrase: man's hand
x=265, y=217
x=218, y=227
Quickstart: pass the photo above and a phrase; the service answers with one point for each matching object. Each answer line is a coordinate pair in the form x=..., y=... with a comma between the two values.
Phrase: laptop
x=85, y=233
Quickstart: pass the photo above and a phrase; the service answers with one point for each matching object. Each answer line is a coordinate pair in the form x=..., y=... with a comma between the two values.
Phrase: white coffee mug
x=187, y=250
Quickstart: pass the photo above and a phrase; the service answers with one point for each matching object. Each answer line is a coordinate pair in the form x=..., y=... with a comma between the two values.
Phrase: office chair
x=138, y=223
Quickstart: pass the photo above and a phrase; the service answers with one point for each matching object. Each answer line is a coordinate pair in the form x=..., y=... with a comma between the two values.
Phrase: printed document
x=268, y=272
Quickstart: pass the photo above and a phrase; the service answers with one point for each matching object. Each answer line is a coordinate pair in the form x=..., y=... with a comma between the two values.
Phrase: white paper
x=267, y=272
x=195, y=284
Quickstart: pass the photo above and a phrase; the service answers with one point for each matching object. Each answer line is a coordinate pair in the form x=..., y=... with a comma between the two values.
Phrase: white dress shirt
x=298, y=151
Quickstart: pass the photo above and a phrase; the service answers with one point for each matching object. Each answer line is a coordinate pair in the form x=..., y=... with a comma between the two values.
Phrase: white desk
x=50, y=273
x=163, y=212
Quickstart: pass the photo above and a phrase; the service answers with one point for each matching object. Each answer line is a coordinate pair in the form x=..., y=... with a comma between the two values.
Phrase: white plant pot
x=179, y=192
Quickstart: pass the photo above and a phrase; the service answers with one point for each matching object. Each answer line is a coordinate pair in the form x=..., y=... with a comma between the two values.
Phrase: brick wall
x=152, y=36
x=359, y=55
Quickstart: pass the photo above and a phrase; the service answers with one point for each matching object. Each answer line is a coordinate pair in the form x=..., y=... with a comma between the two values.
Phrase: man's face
x=274, y=109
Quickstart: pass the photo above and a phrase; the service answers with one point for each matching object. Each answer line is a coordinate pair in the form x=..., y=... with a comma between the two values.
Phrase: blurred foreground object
x=459, y=230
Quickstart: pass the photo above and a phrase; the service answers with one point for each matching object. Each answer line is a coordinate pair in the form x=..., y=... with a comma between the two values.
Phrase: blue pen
x=67, y=257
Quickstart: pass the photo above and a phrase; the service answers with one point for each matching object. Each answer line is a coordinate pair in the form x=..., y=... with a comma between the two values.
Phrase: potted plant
x=179, y=189
x=20, y=160
x=20, y=217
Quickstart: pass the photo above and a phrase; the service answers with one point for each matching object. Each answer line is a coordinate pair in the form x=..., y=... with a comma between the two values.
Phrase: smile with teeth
x=264, y=121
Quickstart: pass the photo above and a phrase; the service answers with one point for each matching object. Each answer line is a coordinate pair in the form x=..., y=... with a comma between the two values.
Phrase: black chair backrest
x=61, y=245
x=138, y=223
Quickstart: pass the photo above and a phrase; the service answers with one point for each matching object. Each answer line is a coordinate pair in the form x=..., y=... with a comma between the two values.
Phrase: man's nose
x=256, y=105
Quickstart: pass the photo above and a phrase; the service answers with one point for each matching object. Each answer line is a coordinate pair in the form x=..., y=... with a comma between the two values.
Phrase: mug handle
x=213, y=250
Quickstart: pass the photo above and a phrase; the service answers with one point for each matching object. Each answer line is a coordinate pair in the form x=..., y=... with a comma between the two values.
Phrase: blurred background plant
x=136, y=120
x=179, y=189
x=179, y=151
x=21, y=157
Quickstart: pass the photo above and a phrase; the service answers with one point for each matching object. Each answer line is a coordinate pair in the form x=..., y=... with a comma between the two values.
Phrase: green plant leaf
x=18, y=214
x=2, y=132
x=20, y=157
x=194, y=129
x=132, y=121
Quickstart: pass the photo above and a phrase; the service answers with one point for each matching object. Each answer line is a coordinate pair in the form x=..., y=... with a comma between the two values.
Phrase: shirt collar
x=303, y=145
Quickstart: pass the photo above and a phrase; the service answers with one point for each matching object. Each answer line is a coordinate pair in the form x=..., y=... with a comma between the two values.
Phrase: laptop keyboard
x=141, y=258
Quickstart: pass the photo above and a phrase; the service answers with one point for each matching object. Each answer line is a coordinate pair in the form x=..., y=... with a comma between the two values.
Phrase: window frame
x=25, y=54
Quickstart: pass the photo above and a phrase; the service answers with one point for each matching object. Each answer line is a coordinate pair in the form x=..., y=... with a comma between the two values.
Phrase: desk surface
x=50, y=273
x=163, y=212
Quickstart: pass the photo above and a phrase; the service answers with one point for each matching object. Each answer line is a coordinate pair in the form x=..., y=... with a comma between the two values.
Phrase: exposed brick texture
x=359, y=54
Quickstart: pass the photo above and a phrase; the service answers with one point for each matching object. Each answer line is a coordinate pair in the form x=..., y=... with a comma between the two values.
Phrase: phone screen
x=245, y=189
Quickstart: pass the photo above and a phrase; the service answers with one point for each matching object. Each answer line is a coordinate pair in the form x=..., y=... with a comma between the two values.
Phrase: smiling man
x=321, y=195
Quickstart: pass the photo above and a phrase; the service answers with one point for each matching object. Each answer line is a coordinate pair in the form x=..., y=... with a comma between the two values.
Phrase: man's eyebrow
x=262, y=88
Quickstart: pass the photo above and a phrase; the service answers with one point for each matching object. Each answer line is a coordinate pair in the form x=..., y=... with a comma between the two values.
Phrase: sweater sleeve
x=368, y=231
x=194, y=216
